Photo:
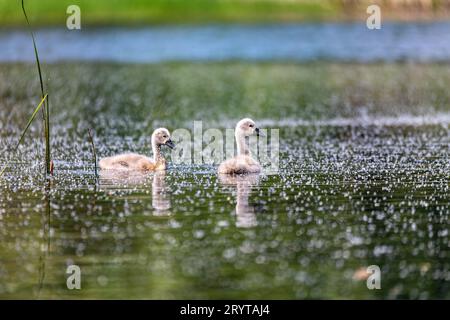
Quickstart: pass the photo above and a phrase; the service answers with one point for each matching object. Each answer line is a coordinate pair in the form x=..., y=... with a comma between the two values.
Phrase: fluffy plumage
x=133, y=161
x=242, y=163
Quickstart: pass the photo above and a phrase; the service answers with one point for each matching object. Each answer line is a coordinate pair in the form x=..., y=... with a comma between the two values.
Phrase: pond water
x=364, y=175
x=298, y=42
x=346, y=197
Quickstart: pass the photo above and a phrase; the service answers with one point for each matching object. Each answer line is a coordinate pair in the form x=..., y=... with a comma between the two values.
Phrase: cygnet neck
x=242, y=147
x=156, y=148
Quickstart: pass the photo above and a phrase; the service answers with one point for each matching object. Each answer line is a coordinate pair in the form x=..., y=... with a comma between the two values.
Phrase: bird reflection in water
x=160, y=194
x=114, y=180
x=245, y=213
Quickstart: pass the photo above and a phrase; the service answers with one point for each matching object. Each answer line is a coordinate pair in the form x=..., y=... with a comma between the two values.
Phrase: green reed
x=26, y=129
x=46, y=109
x=94, y=152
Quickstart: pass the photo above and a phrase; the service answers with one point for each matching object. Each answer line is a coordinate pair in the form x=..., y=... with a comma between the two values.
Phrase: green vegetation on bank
x=147, y=12
x=106, y=12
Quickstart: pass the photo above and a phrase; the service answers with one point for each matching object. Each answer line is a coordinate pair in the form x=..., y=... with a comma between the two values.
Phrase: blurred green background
x=109, y=12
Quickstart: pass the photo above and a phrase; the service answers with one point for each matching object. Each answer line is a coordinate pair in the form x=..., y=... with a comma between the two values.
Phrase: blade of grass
x=48, y=160
x=25, y=130
x=46, y=110
x=35, y=48
x=93, y=151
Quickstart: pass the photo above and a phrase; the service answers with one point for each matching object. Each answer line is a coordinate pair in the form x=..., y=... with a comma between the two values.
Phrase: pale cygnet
x=243, y=162
x=132, y=161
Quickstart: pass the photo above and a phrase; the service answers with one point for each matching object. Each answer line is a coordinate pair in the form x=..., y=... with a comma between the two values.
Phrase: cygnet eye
x=250, y=125
x=164, y=136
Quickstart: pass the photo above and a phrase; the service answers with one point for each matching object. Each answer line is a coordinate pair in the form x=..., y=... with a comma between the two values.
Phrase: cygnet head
x=246, y=127
x=161, y=137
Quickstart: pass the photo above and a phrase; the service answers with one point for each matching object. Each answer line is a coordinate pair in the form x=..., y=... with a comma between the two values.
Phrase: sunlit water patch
x=346, y=197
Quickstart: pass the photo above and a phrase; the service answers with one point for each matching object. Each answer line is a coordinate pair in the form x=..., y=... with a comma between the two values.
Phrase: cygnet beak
x=170, y=144
x=259, y=133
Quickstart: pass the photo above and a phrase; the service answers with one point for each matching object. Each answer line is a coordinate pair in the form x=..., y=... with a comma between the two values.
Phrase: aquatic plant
x=44, y=102
x=46, y=109
x=26, y=129
x=94, y=152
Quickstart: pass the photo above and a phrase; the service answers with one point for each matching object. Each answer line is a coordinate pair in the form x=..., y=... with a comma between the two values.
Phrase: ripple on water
x=346, y=197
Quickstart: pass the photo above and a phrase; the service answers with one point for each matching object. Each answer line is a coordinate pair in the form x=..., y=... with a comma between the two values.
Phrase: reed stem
x=46, y=109
x=26, y=129
x=94, y=152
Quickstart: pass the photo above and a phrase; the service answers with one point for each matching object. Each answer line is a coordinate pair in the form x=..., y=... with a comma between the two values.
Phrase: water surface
x=345, y=198
x=423, y=42
x=363, y=180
